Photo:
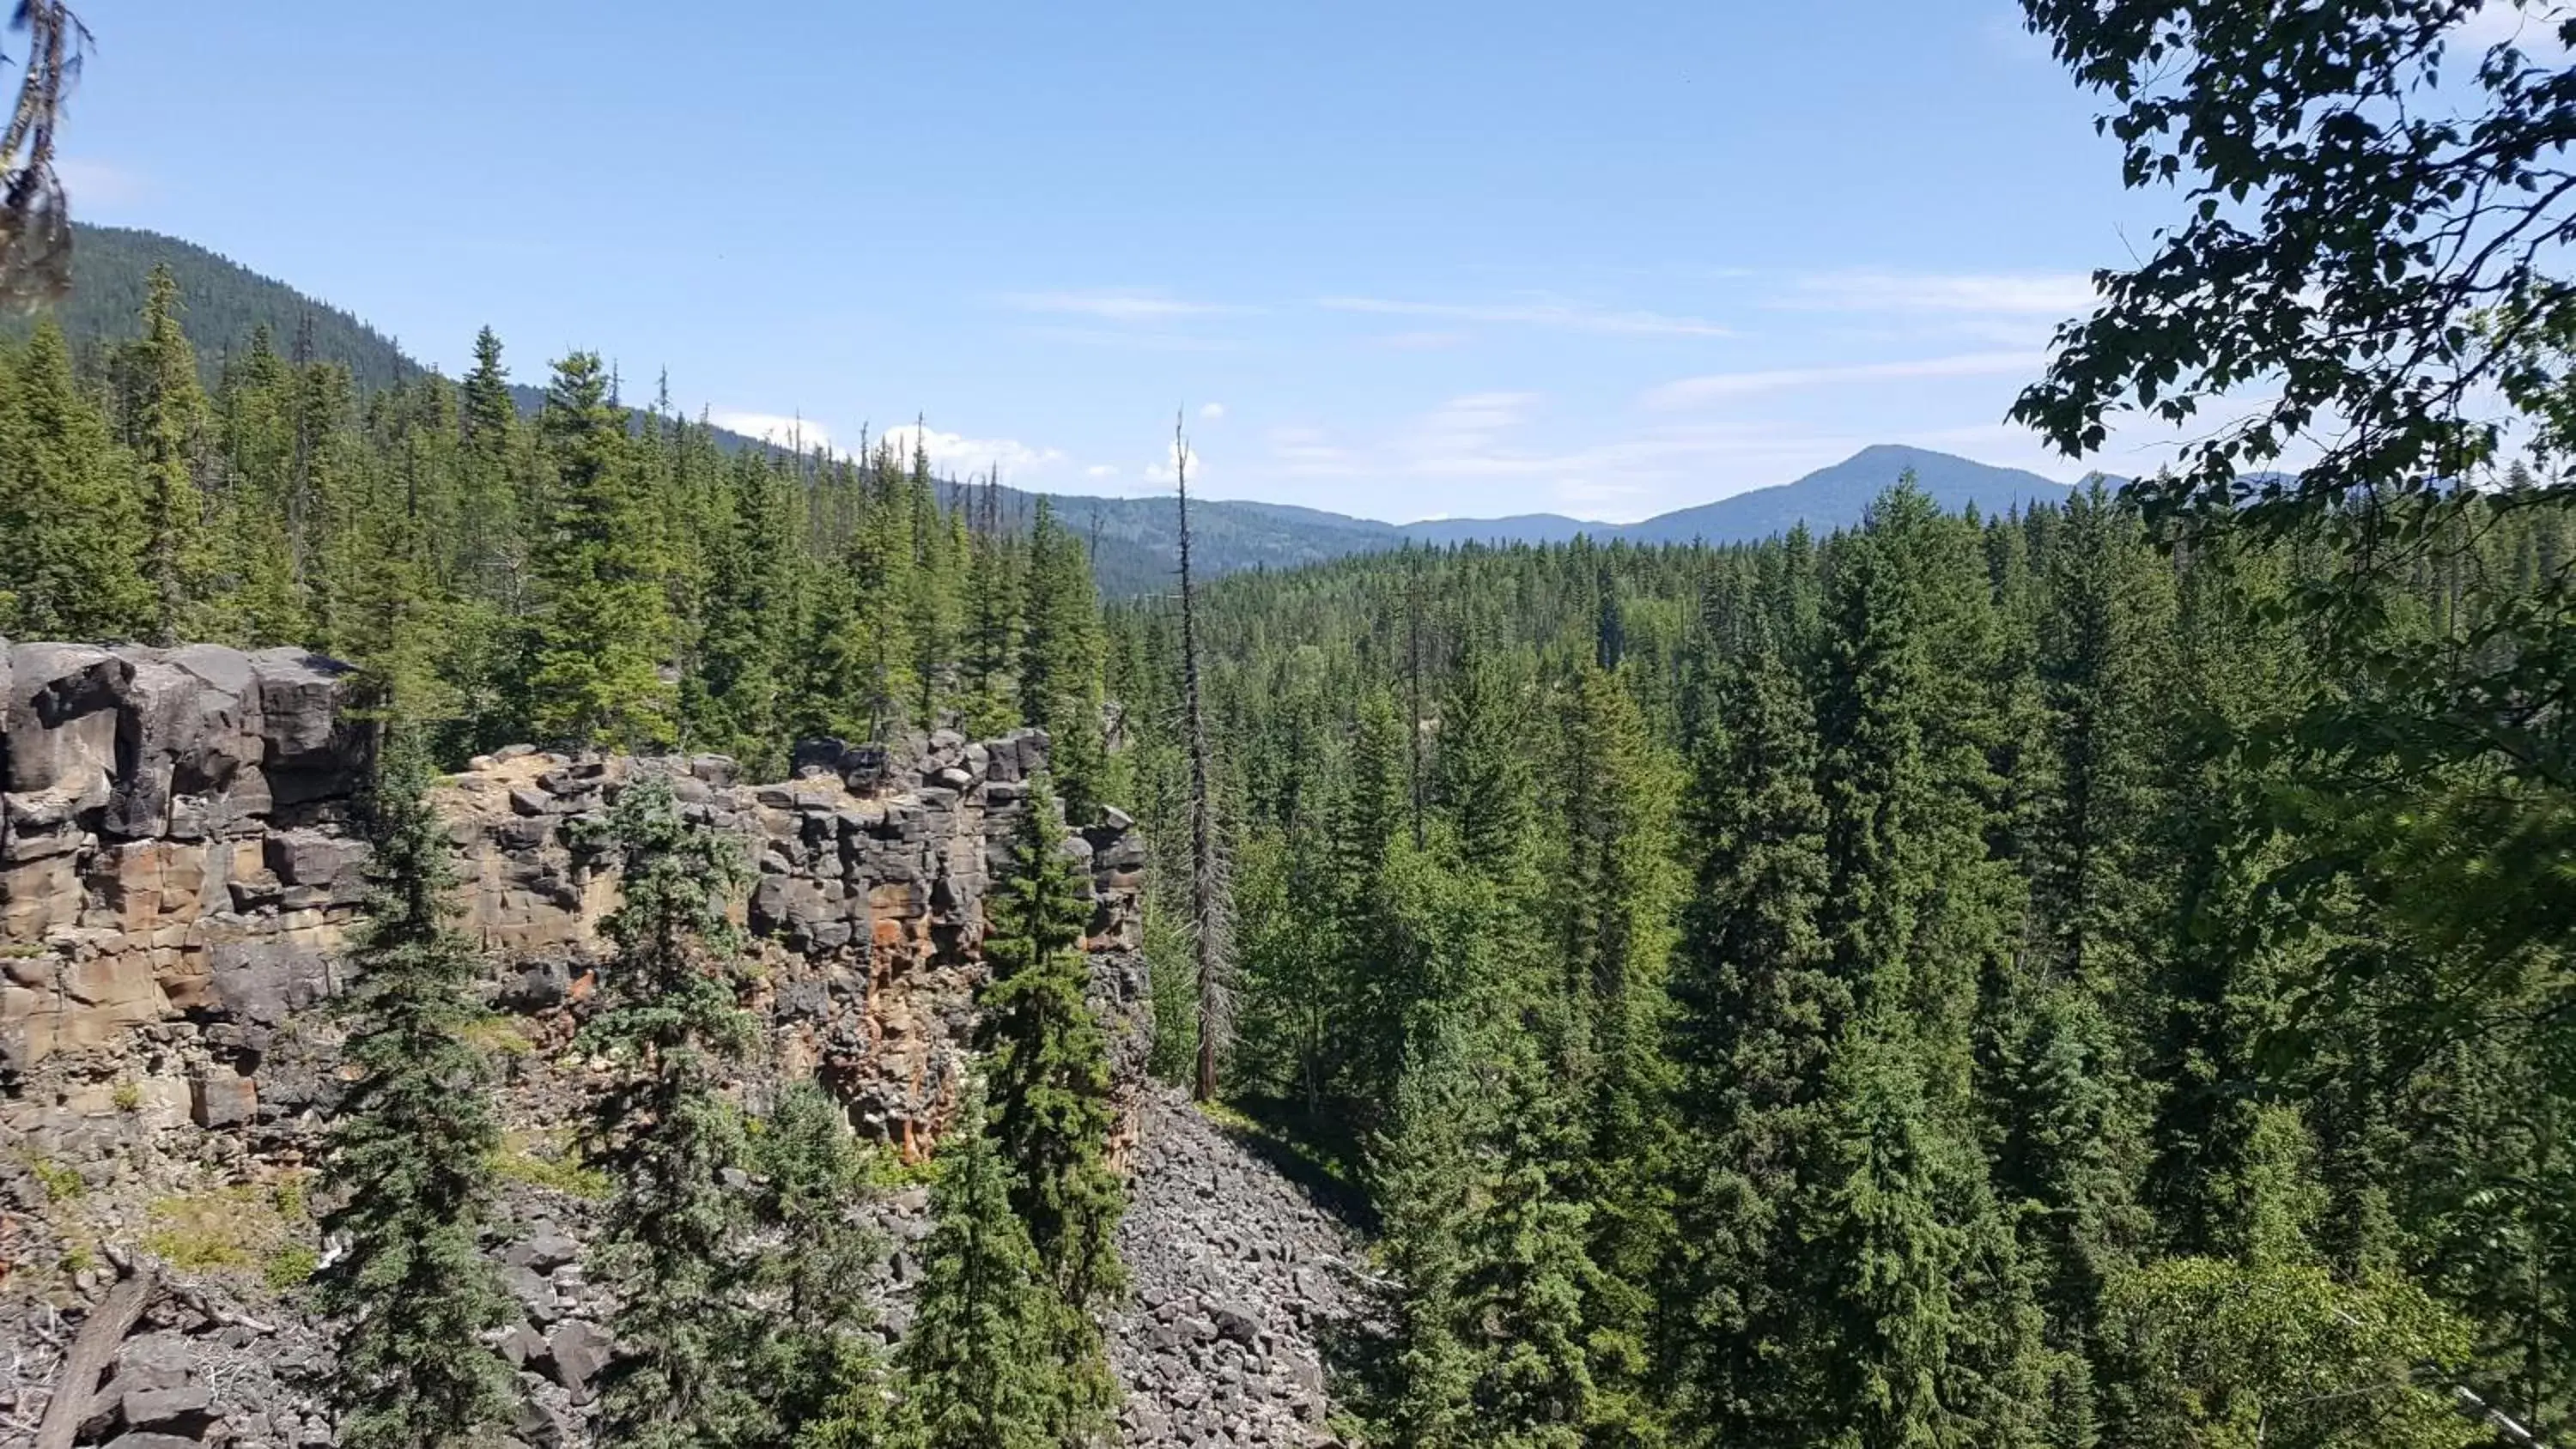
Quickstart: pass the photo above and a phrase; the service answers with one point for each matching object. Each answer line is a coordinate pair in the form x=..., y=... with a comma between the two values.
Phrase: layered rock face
x=179, y=871
x=172, y=839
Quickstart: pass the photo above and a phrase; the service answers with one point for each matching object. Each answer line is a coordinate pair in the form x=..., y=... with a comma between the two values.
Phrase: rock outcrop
x=180, y=871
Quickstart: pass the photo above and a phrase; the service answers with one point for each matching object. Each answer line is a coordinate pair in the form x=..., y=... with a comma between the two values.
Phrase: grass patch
x=547, y=1160
x=229, y=1227
x=128, y=1096
x=290, y=1266
x=62, y=1184
x=495, y=1036
x=882, y=1168
x=247, y=1229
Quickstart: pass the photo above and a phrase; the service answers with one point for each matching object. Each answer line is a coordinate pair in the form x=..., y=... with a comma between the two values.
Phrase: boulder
x=59, y=721
x=161, y=1408
x=311, y=749
x=153, y=1361
x=575, y=1353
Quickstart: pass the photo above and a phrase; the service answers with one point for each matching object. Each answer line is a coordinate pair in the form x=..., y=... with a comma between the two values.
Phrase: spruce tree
x=978, y=1366
x=164, y=414
x=601, y=629
x=1059, y=660
x=492, y=551
x=817, y=1367
x=1758, y=1008
x=1051, y=1105
x=1616, y=936
x=411, y=1151
x=670, y=1024
x=66, y=507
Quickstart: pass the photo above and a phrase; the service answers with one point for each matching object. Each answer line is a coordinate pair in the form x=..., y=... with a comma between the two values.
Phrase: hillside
x=1134, y=542
x=226, y=302
x=1837, y=497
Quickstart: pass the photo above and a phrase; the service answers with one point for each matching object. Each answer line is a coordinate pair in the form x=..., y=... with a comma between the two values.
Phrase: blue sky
x=1401, y=260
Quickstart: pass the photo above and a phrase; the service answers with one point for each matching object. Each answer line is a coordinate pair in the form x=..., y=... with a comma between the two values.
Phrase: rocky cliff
x=179, y=871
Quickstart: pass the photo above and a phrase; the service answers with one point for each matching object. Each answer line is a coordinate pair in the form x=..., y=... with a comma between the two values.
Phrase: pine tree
x=992, y=642
x=978, y=1366
x=601, y=629
x=1758, y=1008
x=66, y=507
x=818, y=1367
x=1059, y=660
x=1051, y=1105
x=1422, y=1173
x=671, y=1239
x=491, y=552
x=164, y=414
x=1619, y=883
x=411, y=1152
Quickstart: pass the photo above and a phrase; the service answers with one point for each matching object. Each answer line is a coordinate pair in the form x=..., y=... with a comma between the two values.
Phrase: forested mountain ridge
x=1133, y=544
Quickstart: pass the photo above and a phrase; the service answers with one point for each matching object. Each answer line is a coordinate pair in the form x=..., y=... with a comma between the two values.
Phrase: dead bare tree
x=35, y=218
x=1208, y=921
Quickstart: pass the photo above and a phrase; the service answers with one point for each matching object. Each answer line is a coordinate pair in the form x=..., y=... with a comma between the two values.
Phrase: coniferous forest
x=2098, y=975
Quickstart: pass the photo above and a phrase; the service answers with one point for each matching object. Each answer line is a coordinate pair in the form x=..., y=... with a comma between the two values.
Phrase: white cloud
x=785, y=431
x=2049, y=294
x=1720, y=386
x=97, y=183
x=1537, y=310
x=1132, y=338
x=1212, y=411
x=1100, y=470
x=1111, y=304
x=955, y=454
x=1165, y=471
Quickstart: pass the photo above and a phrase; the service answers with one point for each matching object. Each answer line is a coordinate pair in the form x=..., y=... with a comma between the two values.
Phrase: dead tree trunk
x=93, y=1349
x=1207, y=875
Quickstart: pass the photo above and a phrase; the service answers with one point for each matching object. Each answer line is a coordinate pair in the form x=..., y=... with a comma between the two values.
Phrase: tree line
x=1926, y=985
x=591, y=575
x=734, y=1239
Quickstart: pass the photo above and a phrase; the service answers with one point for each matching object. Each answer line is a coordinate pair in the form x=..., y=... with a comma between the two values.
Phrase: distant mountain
x=1837, y=497
x=1134, y=540
x=1518, y=528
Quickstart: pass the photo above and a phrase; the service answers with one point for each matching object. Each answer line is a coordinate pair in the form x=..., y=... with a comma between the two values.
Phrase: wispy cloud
x=2049, y=294
x=1536, y=311
x=1133, y=339
x=1721, y=386
x=1421, y=341
x=98, y=183
x=954, y=453
x=1112, y=305
x=1212, y=411
x=779, y=428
